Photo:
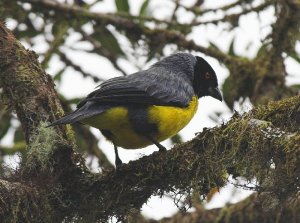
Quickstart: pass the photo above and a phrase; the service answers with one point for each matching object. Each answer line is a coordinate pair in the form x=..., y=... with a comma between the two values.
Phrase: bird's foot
x=118, y=163
x=161, y=148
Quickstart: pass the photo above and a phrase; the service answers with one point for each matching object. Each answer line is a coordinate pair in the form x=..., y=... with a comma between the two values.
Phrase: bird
x=148, y=106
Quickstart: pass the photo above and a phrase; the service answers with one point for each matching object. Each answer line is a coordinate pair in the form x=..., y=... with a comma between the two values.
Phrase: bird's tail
x=86, y=111
x=68, y=119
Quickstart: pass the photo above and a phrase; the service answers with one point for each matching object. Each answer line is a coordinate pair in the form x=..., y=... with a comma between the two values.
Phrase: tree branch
x=132, y=27
x=256, y=208
x=15, y=195
x=234, y=17
x=26, y=85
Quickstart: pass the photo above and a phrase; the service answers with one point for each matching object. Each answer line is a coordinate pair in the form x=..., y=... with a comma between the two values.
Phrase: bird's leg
x=160, y=146
x=118, y=161
x=108, y=134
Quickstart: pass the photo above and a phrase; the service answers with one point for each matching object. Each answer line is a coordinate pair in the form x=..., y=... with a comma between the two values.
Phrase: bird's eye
x=207, y=76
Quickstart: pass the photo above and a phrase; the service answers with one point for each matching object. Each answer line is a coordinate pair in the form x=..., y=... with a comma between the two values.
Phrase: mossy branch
x=256, y=208
x=14, y=196
x=243, y=147
x=25, y=84
x=240, y=148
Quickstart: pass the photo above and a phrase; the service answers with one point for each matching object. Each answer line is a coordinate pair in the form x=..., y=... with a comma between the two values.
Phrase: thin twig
x=70, y=63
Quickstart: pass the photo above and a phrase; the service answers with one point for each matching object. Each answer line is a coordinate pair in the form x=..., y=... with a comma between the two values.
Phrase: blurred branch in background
x=69, y=63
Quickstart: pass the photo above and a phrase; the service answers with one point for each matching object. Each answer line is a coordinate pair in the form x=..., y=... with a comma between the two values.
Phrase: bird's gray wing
x=154, y=86
x=149, y=87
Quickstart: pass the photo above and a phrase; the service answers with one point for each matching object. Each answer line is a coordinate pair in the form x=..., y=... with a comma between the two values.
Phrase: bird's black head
x=205, y=81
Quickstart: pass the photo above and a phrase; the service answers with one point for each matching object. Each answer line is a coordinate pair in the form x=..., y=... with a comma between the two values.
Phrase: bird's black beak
x=215, y=93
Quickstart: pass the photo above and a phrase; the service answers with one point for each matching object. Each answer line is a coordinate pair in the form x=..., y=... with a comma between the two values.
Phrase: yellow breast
x=168, y=119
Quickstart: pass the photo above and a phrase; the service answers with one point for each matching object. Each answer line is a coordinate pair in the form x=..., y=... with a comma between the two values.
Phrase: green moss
x=70, y=133
x=41, y=149
x=40, y=163
x=283, y=114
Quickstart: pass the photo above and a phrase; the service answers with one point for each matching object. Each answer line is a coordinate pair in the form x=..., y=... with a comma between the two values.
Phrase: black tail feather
x=67, y=119
x=88, y=110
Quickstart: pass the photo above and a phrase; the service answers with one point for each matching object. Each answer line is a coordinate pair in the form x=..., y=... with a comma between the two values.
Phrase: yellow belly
x=169, y=121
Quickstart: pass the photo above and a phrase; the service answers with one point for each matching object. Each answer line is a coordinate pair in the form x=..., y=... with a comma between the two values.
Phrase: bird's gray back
x=169, y=80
